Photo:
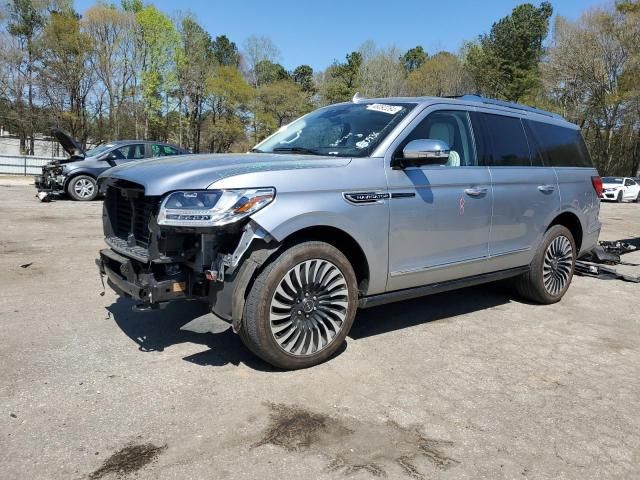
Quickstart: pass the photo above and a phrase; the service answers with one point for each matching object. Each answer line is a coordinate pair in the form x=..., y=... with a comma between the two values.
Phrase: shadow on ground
x=156, y=330
x=396, y=316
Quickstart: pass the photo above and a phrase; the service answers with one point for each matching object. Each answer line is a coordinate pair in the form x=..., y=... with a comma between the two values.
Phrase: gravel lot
x=469, y=384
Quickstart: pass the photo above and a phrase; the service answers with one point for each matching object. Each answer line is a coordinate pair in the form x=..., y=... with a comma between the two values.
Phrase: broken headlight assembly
x=212, y=208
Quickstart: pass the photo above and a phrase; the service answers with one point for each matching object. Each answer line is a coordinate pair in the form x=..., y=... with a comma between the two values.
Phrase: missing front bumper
x=126, y=279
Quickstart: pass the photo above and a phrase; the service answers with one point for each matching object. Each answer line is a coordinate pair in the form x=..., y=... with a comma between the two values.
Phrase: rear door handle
x=546, y=188
x=476, y=191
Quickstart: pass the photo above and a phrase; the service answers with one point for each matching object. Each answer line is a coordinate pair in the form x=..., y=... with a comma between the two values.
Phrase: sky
x=318, y=32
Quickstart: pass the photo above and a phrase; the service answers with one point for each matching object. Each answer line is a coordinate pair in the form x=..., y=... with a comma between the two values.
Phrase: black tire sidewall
x=256, y=329
x=71, y=192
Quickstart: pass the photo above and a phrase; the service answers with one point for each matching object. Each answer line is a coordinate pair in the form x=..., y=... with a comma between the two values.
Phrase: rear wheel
x=301, y=306
x=551, y=269
x=83, y=188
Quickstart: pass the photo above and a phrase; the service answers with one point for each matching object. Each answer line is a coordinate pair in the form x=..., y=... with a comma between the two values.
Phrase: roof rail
x=502, y=103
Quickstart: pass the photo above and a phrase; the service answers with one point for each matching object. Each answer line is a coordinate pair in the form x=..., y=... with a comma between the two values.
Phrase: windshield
x=94, y=152
x=346, y=130
x=611, y=180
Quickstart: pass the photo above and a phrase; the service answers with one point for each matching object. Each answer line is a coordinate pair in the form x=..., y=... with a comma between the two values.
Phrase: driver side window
x=452, y=127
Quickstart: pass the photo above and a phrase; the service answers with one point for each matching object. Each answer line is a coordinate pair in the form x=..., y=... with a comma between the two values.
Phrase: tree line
x=132, y=71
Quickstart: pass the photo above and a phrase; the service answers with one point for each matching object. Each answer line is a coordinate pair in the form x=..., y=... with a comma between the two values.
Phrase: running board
x=409, y=293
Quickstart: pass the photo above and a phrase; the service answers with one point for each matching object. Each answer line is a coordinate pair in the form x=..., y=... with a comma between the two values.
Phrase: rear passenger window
x=163, y=150
x=560, y=146
x=130, y=152
x=504, y=141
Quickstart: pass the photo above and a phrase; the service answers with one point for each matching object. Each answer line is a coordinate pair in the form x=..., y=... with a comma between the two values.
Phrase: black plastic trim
x=409, y=293
x=403, y=195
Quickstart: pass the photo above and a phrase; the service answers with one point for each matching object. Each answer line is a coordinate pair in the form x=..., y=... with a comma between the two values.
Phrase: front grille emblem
x=131, y=240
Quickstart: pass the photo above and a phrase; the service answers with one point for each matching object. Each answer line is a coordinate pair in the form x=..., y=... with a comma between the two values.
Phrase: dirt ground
x=464, y=385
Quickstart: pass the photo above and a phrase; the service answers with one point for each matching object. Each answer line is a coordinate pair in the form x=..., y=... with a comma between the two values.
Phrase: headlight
x=212, y=208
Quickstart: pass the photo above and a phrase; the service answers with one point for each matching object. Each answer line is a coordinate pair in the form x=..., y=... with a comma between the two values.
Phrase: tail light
x=597, y=185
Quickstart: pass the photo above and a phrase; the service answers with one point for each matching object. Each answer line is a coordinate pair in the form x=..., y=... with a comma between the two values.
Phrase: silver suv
x=351, y=206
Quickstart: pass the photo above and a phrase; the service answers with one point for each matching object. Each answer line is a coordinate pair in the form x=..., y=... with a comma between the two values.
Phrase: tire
x=551, y=269
x=619, y=198
x=301, y=306
x=638, y=198
x=83, y=188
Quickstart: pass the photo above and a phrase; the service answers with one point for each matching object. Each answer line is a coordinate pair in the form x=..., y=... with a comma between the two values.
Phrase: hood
x=69, y=145
x=193, y=172
x=612, y=185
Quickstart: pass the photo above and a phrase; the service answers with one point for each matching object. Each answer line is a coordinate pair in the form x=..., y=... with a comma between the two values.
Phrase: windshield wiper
x=256, y=150
x=303, y=150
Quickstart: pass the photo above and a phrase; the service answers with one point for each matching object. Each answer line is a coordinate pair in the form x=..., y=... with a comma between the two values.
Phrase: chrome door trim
x=399, y=273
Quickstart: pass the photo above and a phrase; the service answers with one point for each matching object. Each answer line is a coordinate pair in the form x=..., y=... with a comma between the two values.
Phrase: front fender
x=368, y=225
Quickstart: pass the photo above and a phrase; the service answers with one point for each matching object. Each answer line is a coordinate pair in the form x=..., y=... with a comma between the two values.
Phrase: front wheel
x=83, y=188
x=619, y=198
x=551, y=269
x=301, y=306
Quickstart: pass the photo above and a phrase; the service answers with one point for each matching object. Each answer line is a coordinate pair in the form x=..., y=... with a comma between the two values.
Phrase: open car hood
x=69, y=144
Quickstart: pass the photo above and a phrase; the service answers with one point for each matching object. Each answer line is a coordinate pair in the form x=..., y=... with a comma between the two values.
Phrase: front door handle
x=546, y=188
x=476, y=191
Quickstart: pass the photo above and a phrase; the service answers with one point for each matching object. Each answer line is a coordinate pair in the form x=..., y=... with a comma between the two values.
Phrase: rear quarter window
x=560, y=146
x=503, y=141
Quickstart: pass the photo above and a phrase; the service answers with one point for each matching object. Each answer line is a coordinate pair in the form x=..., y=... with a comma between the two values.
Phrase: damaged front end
x=51, y=181
x=184, y=245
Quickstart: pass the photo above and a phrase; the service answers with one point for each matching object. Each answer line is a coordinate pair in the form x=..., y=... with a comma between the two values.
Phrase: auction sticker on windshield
x=379, y=107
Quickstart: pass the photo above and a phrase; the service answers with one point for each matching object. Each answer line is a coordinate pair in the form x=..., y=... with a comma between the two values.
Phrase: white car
x=620, y=188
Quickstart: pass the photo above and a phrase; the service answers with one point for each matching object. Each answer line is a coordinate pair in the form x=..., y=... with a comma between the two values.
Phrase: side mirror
x=423, y=152
x=111, y=156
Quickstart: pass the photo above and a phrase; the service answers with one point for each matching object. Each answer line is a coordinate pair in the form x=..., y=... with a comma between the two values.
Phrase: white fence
x=22, y=164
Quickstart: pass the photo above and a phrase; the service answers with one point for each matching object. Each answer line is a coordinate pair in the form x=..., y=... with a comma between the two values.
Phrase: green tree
x=341, y=80
x=157, y=38
x=229, y=97
x=504, y=63
x=65, y=77
x=195, y=60
x=277, y=104
x=303, y=76
x=268, y=72
x=440, y=75
x=414, y=58
x=226, y=52
x=26, y=21
x=591, y=75
x=111, y=33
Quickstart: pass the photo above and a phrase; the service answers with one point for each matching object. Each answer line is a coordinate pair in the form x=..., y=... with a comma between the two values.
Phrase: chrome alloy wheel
x=557, y=266
x=84, y=188
x=309, y=307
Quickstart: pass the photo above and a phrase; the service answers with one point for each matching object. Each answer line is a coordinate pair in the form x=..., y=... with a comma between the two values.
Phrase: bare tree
x=258, y=49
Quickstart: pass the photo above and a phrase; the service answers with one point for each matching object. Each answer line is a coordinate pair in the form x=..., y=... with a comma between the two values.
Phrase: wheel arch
x=340, y=239
x=571, y=221
x=76, y=173
x=263, y=253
